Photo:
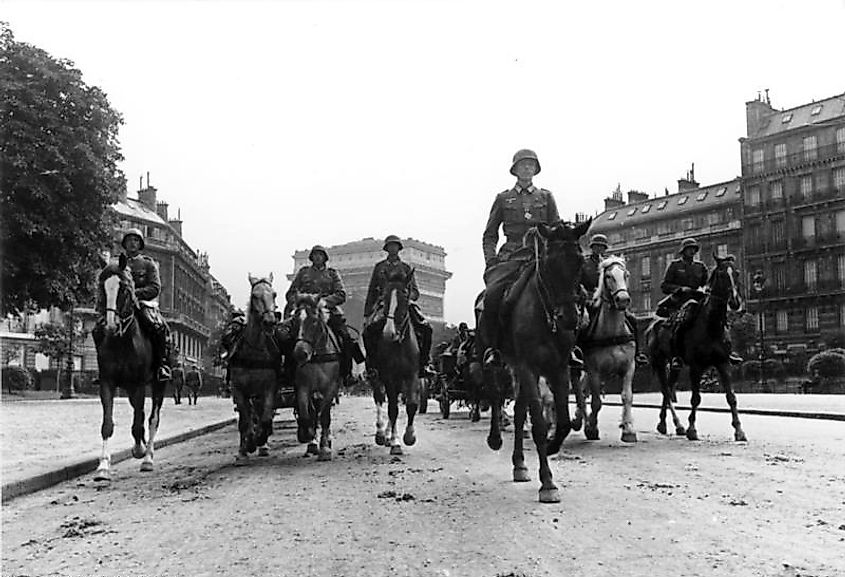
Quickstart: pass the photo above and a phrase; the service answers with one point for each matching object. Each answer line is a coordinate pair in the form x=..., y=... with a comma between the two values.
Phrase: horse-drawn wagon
x=455, y=383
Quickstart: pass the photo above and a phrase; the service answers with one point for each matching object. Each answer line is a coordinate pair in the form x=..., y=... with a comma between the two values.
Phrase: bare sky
x=276, y=125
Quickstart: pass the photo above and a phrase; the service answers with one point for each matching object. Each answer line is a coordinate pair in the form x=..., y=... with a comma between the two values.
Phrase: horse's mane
x=606, y=263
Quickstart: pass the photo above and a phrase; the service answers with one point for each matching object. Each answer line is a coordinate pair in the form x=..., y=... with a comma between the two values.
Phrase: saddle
x=514, y=291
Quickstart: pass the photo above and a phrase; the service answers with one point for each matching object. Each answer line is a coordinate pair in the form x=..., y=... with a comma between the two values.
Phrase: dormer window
x=661, y=205
x=786, y=118
x=612, y=216
x=683, y=200
x=722, y=191
x=816, y=110
x=632, y=212
x=701, y=196
x=645, y=209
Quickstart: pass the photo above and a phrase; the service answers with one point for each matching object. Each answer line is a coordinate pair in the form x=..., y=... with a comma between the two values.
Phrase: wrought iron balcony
x=796, y=159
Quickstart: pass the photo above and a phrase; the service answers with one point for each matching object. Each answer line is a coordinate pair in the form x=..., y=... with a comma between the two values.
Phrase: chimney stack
x=176, y=223
x=756, y=115
x=636, y=196
x=614, y=200
x=161, y=210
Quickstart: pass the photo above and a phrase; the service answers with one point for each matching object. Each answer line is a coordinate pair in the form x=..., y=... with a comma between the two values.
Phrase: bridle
x=606, y=294
x=551, y=307
x=126, y=314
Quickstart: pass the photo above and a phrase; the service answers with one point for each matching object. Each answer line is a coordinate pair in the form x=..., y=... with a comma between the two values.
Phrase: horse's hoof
x=102, y=475
x=138, y=451
x=576, y=425
x=692, y=434
x=520, y=475
x=549, y=495
x=494, y=443
x=325, y=454
x=312, y=449
x=302, y=434
x=147, y=466
x=380, y=439
x=680, y=431
x=263, y=452
x=396, y=450
x=739, y=435
x=591, y=434
x=661, y=428
x=629, y=437
x=409, y=438
x=241, y=459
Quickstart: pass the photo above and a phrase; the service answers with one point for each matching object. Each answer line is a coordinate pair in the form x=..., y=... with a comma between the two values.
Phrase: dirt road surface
x=774, y=506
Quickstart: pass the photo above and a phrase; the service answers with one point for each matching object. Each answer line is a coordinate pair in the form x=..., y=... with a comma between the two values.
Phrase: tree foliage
x=827, y=364
x=53, y=341
x=59, y=175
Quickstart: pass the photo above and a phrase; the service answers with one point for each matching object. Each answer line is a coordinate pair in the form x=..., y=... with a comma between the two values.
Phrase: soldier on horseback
x=325, y=282
x=590, y=280
x=516, y=210
x=147, y=289
x=373, y=307
x=683, y=283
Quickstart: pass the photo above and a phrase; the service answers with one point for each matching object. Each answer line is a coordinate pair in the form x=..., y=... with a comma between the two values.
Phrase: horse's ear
x=582, y=228
x=121, y=262
x=252, y=279
x=270, y=277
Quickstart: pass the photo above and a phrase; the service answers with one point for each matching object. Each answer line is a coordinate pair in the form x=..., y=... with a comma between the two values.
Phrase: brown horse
x=704, y=345
x=253, y=370
x=317, y=376
x=608, y=346
x=125, y=360
x=538, y=341
x=397, y=359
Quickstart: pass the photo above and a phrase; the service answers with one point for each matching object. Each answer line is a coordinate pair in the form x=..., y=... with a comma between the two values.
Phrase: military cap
x=132, y=232
x=318, y=248
x=689, y=242
x=599, y=239
x=392, y=238
x=523, y=155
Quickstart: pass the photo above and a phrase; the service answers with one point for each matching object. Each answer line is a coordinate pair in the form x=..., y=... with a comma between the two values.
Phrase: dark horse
x=704, y=346
x=253, y=369
x=397, y=359
x=125, y=360
x=317, y=376
x=538, y=340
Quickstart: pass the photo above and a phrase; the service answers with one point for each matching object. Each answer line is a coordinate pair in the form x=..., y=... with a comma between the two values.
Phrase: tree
x=59, y=177
x=55, y=342
x=743, y=331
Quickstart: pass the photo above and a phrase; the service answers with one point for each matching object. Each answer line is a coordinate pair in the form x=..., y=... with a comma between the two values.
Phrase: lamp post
x=758, y=284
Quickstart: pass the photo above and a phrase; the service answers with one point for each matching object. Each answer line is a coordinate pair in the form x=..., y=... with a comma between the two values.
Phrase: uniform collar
x=321, y=267
x=530, y=189
x=393, y=260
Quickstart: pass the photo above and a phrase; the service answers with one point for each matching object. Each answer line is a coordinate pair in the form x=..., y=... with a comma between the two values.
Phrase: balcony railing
x=799, y=158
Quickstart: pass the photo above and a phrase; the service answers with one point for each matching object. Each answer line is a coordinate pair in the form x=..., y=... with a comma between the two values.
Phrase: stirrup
x=735, y=359
x=490, y=356
x=677, y=363
x=641, y=359
x=164, y=373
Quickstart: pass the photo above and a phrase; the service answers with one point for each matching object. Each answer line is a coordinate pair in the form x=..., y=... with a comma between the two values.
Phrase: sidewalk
x=46, y=442
x=830, y=407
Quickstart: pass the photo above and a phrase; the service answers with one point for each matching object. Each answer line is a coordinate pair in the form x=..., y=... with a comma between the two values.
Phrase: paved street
x=771, y=507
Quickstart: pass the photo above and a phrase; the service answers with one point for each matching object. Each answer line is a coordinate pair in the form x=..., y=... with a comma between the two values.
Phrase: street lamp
x=758, y=283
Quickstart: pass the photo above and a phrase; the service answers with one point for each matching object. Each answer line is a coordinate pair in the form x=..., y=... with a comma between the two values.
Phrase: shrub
x=17, y=379
x=827, y=364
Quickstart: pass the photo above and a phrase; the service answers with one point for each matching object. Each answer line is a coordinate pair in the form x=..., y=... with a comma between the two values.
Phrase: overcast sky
x=276, y=125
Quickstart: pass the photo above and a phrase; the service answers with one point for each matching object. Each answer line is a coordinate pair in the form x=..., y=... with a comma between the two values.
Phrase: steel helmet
x=523, y=155
x=132, y=231
x=689, y=242
x=392, y=238
x=318, y=248
x=599, y=239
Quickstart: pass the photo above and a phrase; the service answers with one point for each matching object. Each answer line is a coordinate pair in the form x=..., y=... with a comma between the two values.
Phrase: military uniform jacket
x=680, y=273
x=517, y=210
x=378, y=283
x=323, y=281
x=145, y=277
x=590, y=272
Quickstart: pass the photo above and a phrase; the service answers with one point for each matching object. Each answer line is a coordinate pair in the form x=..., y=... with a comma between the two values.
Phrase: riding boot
x=640, y=357
x=424, y=331
x=159, y=338
x=370, y=342
x=733, y=358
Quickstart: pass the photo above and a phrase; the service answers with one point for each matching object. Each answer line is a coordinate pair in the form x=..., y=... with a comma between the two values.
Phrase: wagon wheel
x=444, y=399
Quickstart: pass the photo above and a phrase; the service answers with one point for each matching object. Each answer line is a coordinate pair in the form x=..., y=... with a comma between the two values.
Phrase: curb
x=44, y=480
x=764, y=412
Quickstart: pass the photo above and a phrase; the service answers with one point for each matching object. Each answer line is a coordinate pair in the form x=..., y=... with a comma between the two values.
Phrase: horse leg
x=627, y=424
x=242, y=405
x=539, y=431
x=695, y=373
x=304, y=414
x=411, y=405
x=379, y=399
x=325, y=416
x=155, y=420
x=520, y=471
x=267, y=421
x=392, y=439
x=136, y=399
x=106, y=430
x=559, y=383
x=725, y=377
x=580, y=400
x=591, y=429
